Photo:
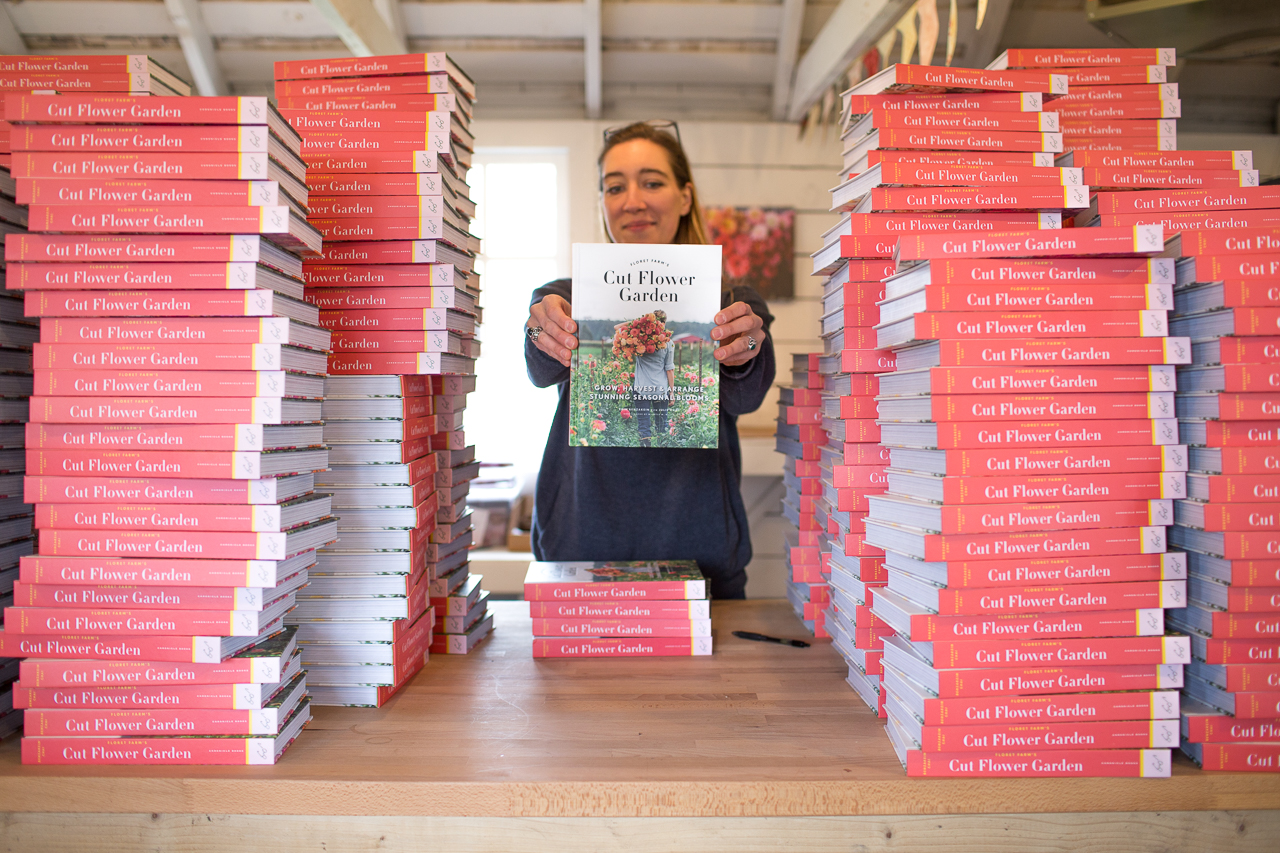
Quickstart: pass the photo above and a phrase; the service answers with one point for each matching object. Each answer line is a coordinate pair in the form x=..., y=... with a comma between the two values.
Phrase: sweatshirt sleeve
x=544, y=370
x=744, y=387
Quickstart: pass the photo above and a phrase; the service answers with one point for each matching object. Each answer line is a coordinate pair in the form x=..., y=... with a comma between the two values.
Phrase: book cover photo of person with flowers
x=643, y=374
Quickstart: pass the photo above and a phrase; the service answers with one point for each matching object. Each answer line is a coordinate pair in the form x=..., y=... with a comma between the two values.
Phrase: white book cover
x=644, y=373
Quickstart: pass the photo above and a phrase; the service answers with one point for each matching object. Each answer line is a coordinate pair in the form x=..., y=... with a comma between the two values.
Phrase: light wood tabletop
x=757, y=729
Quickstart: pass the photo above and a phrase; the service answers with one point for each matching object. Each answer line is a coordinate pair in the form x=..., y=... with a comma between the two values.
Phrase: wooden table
x=759, y=747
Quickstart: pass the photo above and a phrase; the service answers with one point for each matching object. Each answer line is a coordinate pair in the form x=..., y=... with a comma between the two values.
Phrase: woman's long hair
x=691, y=228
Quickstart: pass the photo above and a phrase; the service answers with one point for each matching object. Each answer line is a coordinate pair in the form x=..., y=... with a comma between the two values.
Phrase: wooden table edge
x=636, y=799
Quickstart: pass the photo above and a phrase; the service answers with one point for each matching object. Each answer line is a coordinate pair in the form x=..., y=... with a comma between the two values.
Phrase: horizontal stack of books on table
x=618, y=609
x=387, y=145
x=174, y=434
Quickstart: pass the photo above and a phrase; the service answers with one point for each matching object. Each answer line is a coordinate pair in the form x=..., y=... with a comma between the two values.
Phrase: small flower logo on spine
x=644, y=373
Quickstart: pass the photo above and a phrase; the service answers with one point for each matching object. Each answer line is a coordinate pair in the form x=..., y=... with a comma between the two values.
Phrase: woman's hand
x=734, y=325
x=558, y=329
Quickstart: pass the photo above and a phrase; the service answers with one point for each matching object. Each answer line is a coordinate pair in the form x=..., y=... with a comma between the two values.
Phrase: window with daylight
x=522, y=219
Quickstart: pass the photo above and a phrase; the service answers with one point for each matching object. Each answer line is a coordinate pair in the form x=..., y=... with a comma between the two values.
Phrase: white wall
x=734, y=163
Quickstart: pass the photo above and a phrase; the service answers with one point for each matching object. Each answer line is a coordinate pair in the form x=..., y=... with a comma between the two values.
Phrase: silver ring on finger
x=533, y=333
x=751, y=343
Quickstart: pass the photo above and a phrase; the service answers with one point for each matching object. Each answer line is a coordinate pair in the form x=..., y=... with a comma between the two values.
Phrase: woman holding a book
x=649, y=503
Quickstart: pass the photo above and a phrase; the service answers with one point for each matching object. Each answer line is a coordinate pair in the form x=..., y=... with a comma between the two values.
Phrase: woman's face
x=642, y=202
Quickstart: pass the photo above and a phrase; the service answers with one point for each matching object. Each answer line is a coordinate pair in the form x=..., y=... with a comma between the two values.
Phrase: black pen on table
x=765, y=638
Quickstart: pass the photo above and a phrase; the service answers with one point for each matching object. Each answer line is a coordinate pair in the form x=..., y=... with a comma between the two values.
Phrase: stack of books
x=1033, y=465
x=618, y=609
x=1120, y=100
x=927, y=150
x=800, y=437
x=387, y=145
x=131, y=74
x=174, y=433
x=1229, y=527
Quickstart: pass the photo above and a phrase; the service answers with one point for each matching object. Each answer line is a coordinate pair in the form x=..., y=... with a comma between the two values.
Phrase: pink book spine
x=147, y=751
x=1144, y=763
x=43, y=568
x=163, y=383
x=122, y=109
x=245, y=166
x=112, y=490
x=156, y=410
x=159, y=543
x=381, y=252
x=606, y=647
x=401, y=298
x=144, y=463
x=130, y=437
x=95, y=673
x=118, y=248
x=177, y=649
x=644, y=609
x=141, y=303
x=184, y=276
x=85, y=723
x=206, y=517
x=176, y=140
x=195, y=330
x=322, y=277
x=621, y=627
x=43, y=620
x=151, y=193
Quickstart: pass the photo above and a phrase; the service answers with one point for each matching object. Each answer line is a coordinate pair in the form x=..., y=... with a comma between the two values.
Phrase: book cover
x=643, y=374
x=223, y=166
x=168, y=248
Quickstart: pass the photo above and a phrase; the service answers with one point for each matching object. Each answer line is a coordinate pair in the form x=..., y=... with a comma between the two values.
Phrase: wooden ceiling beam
x=197, y=46
x=360, y=27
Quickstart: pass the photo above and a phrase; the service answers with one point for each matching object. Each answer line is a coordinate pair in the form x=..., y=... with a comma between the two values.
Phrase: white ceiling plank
x=10, y=39
x=592, y=49
x=692, y=20
x=197, y=46
x=85, y=17
x=788, y=52
x=360, y=27
x=493, y=20
x=251, y=19
x=698, y=69
x=852, y=28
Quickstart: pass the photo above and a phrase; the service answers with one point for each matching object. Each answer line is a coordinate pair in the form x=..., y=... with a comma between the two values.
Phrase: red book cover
x=1042, y=516
x=1030, y=626
x=1251, y=678
x=365, y=66
x=1065, y=352
x=143, y=303
x=1183, y=201
x=1017, y=434
x=1134, y=133
x=1243, y=488
x=131, y=436
x=1055, y=459
x=1099, y=378
x=902, y=77
x=904, y=224
x=927, y=325
x=138, y=219
x=934, y=175
x=1219, y=728
x=1065, y=570
x=1069, y=708
x=244, y=518
x=217, y=166
x=85, y=723
x=263, y=330
x=44, y=568
x=109, y=647
x=1245, y=407
x=120, y=81
x=216, y=623
x=381, y=252
x=989, y=101
x=161, y=543
x=204, y=248
x=147, y=192
x=1238, y=517
x=398, y=363
x=1236, y=268
x=659, y=610
x=95, y=673
x=1113, y=94
x=194, y=138
x=1059, y=244
x=1113, y=651
x=1118, y=734
x=360, y=103
x=1088, y=542
x=308, y=122
x=885, y=199
x=1231, y=242
x=408, y=161
x=358, y=278
x=1247, y=460
x=966, y=159
x=1061, y=599
x=166, y=357
x=386, y=228
x=161, y=383
x=1247, y=651
x=122, y=109
x=1136, y=763
x=1251, y=546
x=1126, y=75
x=160, y=491
x=867, y=361
x=856, y=453
x=156, y=410
x=1046, y=272
x=858, y=476
x=1088, y=57
x=227, y=696
x=591, y=627
x=1240, y=757
x=1152, y=178
x=1055, y=297
x=416, y=84
x=1242, y=626
x=1061, y=406
x=606, y=647
x=1164, y=159
x=967, y=140
x=1063, y=487
x=384, y=319
x=965, y=120
x=1147, y=109
x=1171, y=222
x=374, y=185
x=326, y=207
x=59, y=276
x=1032, y=681
x=319, y=145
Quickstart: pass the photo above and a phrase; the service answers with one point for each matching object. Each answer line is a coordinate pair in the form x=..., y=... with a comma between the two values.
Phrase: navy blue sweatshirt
x=635, y=503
